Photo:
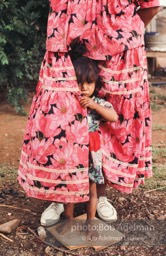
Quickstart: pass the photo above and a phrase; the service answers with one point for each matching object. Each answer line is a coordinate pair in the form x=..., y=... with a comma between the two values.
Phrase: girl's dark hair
x=86, y=69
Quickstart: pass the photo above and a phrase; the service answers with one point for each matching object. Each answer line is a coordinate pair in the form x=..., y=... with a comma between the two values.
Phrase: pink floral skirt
x=55, y=154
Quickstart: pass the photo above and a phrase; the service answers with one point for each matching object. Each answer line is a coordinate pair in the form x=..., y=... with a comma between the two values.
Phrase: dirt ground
x=145, y=203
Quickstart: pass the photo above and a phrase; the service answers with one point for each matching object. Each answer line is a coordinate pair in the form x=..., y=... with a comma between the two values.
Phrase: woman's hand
x=147, y=14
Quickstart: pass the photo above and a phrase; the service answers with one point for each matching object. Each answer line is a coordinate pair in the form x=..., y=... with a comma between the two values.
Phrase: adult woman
x=54, y=160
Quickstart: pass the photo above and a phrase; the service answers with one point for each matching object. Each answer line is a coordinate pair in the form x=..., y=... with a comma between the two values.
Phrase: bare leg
x=92, y=204
x=64, y=227
x=101, y=189
x=69, y=209
x=91, y=212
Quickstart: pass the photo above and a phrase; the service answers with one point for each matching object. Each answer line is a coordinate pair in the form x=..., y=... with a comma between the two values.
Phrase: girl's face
x=87, y=89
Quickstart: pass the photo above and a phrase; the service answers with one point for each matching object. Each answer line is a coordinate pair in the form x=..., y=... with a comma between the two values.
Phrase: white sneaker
x=51, y=214
x=105, y=210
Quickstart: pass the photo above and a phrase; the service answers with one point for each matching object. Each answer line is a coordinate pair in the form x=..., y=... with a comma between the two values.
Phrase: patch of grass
x=159, y=174
x=159, y=178
x=152, y=91
x=159, y=127
x=159, y=166
x=160, y=97
x=159, y=153
x=8, y=175
x=155, y=107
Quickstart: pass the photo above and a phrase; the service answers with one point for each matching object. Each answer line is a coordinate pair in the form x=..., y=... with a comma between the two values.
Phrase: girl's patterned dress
x=95, y=151
x=54, y=159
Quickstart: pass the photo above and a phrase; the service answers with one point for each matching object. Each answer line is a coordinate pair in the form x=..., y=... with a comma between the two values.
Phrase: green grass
x=155, y=107
x=157, y=127
x=157, y=100
x=8, y=175
x=159, y=178
x=159, y=152
x=160, y=97
x=159, y=169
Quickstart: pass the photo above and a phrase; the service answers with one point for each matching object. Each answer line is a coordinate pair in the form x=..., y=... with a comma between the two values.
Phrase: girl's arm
x=147, y=14
x=108, y=114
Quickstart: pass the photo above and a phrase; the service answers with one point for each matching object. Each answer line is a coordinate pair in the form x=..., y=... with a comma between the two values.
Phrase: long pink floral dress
x=54, y=159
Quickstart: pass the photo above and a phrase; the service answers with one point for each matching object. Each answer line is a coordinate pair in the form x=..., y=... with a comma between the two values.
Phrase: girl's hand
x=108, y=114
x=87, y=102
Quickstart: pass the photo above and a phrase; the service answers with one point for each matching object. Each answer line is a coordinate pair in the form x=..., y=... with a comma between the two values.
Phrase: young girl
x=98, y=110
